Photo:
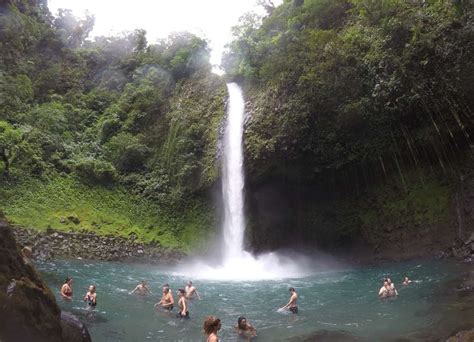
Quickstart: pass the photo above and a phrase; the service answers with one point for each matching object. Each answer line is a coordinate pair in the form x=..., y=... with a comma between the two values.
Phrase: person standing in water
x=141, y=289
x=183, y=305
x=407, y=281
x=392, y=291
x=292, y=303
x=66, y=289
x=167, y=300
x=245, y=330
x=91, y=297
x=191, y=291
x=211, y=326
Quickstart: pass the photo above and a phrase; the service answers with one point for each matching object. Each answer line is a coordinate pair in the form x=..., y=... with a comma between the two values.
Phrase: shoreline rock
x=28, y=310
x=52, y=244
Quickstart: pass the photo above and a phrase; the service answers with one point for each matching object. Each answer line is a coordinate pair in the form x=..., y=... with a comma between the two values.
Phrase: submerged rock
x=73, y=329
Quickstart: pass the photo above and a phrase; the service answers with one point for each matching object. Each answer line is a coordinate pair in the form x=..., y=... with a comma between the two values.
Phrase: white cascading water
x=233, y=176
x=237, y=264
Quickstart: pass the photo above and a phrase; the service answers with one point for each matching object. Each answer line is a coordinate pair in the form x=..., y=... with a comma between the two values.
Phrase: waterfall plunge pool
x=343, y=302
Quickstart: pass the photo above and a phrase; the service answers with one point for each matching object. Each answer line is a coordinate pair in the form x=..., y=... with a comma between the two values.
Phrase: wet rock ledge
x=28, y=309
x=53, y=244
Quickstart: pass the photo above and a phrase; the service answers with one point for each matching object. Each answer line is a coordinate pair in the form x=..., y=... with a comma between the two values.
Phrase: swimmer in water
x=66, y=289
x=292, y=303
x=191, y=291
x=183, y=305
x=211, y=326
x=91, y=297
x=167, y=300
x=244, y=329
x=141, y=289
x=406, y=281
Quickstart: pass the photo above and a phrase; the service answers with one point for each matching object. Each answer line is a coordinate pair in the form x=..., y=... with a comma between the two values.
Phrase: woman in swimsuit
x=183, y=306
x=66, y=289
x=211, y=327
x=91, y=297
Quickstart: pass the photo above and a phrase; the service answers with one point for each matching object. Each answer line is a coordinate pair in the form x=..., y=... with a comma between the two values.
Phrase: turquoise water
x=340, y=300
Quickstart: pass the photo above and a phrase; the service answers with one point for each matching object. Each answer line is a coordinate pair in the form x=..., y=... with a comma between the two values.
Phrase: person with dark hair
x=167, y=300
x=211, y=326
x=183, y=305
x=66, y=289
x=245, y=329
x=141, y=289
x=406, y=281
x=91, y=297
x=292, y=303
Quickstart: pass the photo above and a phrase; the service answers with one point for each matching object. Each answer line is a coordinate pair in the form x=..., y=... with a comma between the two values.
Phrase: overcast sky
x=211, y=19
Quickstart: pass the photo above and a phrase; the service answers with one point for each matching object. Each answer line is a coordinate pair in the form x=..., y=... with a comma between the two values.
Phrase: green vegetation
x=347, y=97
x=388, y=208
x=120, y=133
x=348, y=86
x=66, y=204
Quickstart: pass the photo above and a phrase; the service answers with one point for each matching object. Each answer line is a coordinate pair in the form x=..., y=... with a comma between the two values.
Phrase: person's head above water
x=211, y=325
x=190, y=283
x=143, y=282
x=166, y=289
x=292, y=289
x=92, y=288
x=242, y=321
x=181, y=292
x=68, y=280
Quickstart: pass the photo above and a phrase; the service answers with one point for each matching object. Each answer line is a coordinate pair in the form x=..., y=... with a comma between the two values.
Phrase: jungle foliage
x=109, y=110
x=115, y=113
x=355, y=88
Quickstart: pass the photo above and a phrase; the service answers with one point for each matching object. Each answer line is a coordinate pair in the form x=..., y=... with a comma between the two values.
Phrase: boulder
x=28, y=310
x=462, y=336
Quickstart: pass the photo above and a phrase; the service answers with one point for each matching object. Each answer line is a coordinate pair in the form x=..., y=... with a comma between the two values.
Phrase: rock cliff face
x=28, y=309
x=430, y=217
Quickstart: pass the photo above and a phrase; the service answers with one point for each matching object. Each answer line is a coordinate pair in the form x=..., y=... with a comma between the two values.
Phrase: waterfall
x=233, y=175
x=236, y=263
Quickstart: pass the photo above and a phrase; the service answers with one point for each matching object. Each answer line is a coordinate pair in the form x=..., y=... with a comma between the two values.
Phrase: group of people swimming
x=388, y=288
x=66, y=292
x=211, y=325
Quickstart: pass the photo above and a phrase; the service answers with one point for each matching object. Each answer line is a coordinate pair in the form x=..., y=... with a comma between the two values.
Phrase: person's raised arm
x=134, y=290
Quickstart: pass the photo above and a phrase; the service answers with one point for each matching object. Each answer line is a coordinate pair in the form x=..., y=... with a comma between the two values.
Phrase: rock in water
x=73, y=329
x=28, y=309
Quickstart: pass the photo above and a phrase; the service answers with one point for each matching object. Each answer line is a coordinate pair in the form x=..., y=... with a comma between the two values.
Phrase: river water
x=337, y=300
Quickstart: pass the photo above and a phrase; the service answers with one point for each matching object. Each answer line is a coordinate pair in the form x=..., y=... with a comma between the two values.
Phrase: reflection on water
x=336, y=304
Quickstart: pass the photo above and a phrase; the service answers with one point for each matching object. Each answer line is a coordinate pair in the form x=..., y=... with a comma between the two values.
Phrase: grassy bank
x=65, y=204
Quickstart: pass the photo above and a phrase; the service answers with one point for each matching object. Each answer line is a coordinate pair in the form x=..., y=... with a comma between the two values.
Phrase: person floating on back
x=183, y=305
x=292, y=303
x=191, y=291
x=91, y=297
x=244, y=329
x=406, y=281
x=211, y=327
x=167, y=300
x=141, y=289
